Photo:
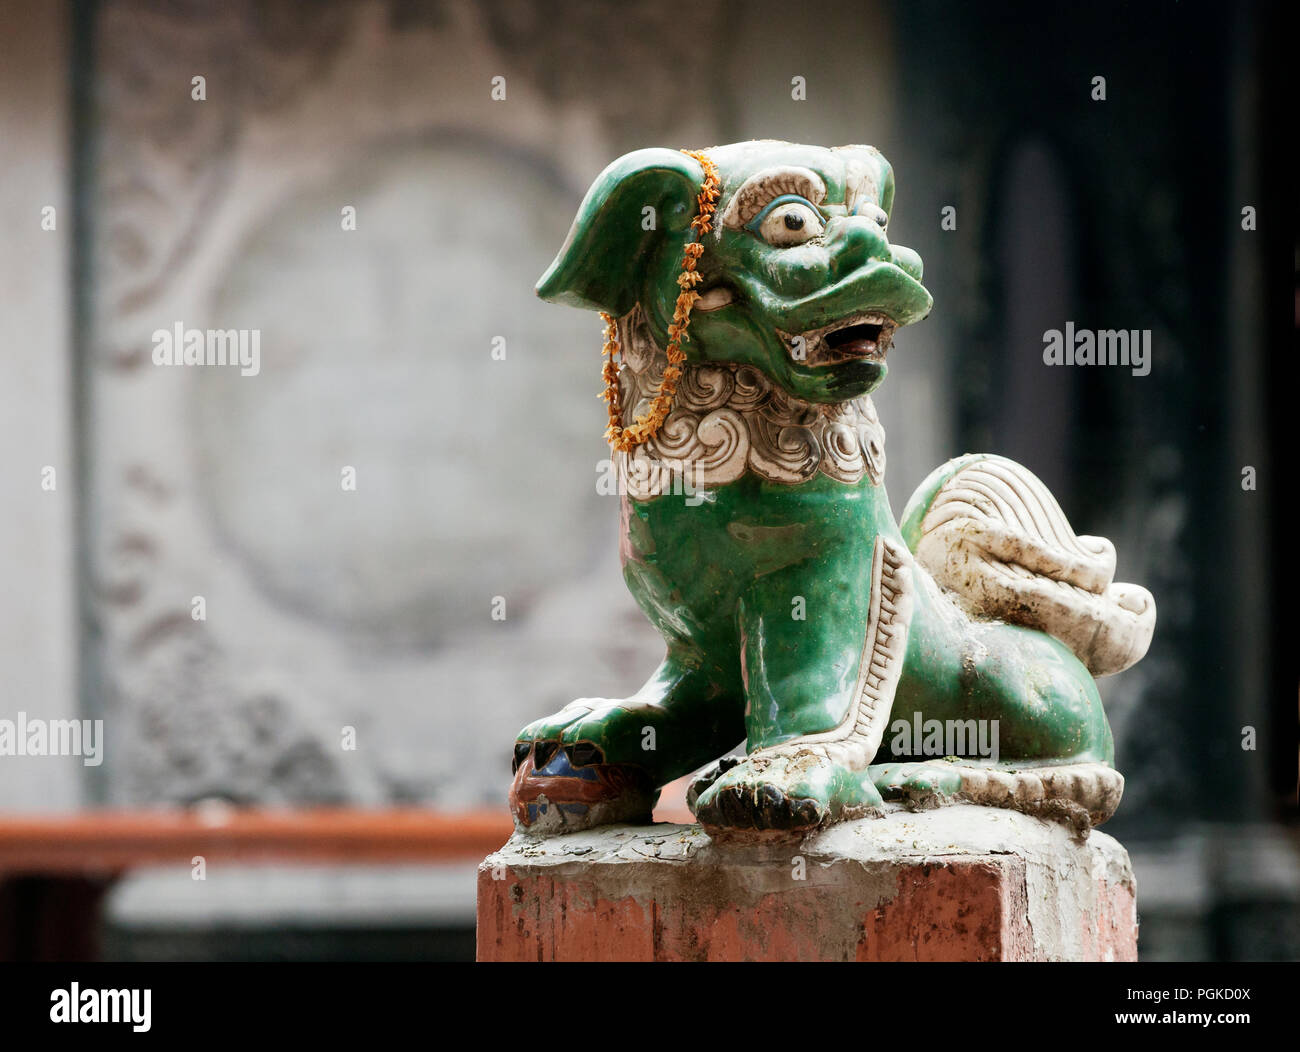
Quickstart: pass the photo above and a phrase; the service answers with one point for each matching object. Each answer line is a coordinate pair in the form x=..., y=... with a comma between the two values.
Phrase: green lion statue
x=750, y=294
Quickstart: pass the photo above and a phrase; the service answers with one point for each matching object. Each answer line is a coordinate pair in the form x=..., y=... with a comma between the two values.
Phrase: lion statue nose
x=853, y=242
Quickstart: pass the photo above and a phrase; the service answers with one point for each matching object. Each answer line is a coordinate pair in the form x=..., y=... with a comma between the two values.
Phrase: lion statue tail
x=990, y=533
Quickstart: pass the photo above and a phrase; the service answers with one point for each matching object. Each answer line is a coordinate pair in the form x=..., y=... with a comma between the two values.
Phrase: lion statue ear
x=608, y=247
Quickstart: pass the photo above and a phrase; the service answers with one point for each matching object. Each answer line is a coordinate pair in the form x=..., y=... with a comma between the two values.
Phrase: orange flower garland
x=647, y=426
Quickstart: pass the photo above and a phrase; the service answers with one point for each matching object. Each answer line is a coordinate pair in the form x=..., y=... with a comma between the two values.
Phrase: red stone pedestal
x=957, y=884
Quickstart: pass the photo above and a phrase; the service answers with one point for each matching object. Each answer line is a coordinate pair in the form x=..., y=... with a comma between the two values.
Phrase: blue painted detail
x=559, y=766
x=757, y=221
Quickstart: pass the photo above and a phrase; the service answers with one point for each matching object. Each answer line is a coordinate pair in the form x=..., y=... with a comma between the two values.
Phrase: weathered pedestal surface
x=961, y=883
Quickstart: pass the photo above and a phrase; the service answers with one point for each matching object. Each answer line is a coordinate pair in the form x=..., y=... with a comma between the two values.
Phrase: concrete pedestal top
x=958, y=883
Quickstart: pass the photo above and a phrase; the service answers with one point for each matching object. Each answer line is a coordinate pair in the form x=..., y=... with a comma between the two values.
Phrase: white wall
x=38, y=649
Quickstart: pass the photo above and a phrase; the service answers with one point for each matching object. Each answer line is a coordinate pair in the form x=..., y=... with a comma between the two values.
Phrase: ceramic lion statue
x=748, y=322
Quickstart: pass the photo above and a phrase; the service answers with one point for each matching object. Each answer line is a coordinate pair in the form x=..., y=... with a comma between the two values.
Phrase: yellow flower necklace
x=647, y=426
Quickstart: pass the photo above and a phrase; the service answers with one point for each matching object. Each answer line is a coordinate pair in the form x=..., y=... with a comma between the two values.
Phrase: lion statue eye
x=874, y=212
x=788, y=221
